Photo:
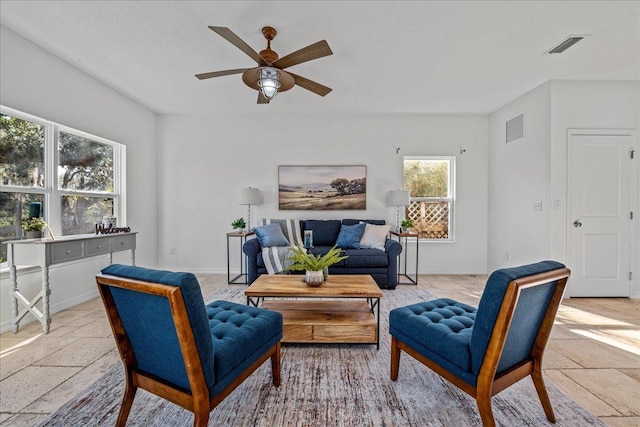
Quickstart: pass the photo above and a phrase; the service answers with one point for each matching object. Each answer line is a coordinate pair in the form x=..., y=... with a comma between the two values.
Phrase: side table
x=403, y=272
x=242, y=277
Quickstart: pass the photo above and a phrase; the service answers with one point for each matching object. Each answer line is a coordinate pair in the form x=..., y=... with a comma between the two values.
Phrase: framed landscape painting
x=322, y=187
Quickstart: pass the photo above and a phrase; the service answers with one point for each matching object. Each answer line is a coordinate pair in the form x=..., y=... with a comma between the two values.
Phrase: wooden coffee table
x=344, y=309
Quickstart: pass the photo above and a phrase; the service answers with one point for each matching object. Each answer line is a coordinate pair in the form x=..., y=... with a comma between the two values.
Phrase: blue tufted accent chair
x=485, y=350
x=175, y=346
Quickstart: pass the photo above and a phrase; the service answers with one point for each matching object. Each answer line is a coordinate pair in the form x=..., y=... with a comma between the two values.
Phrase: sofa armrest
x=393, y=248
x=251, y=249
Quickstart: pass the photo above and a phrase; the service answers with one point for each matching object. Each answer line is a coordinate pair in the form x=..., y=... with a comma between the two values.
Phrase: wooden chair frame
x=197, y=400
x=488, y=383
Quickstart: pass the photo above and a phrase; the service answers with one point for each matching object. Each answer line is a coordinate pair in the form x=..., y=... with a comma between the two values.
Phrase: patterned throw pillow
x=350, y=235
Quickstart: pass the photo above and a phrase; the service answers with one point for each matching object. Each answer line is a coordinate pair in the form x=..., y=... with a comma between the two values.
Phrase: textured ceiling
x=389, y=57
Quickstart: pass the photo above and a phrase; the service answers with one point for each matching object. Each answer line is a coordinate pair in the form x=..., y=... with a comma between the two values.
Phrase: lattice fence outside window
x=430, y=218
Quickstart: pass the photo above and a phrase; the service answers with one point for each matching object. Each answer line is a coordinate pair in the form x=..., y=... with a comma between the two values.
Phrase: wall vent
x=566, y=44
x=515, y=128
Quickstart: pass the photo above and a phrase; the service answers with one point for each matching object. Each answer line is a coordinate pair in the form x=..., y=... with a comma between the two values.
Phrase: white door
x=601, y=185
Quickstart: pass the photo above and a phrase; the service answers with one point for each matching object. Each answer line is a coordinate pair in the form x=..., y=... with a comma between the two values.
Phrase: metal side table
x=403, y=256
x=242, y=277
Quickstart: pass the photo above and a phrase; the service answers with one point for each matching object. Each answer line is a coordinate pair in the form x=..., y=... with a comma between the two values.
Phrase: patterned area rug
x=330, y=385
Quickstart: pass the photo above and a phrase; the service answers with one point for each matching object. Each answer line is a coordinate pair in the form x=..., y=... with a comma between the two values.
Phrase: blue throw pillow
x=350, y=235
x=271, y=235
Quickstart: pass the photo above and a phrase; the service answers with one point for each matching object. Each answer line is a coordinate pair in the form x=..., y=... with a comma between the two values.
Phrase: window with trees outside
x=430, y=181
x=76, y=177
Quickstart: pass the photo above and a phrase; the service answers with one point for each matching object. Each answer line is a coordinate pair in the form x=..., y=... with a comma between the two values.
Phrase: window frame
x=451, y=196
x=52, y=193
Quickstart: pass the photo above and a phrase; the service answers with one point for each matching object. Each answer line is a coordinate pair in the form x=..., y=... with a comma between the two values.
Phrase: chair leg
x=275, y=366
x=201, y=418
x=395, y=359
x=127, y=399
x=483, y=399
x=538, y=381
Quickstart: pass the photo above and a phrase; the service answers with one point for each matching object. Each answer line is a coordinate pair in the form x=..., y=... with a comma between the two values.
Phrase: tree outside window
x=73, y=175
x=430, y=182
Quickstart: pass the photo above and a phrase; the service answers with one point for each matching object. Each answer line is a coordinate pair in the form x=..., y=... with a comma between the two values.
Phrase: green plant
x=306, y=261
x=239, y=223
x=407, y=223
x=33, y=224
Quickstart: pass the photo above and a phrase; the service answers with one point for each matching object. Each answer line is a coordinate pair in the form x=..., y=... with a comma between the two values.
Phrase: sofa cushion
x=271, y=235
x=366, y=258
x=350, y=235
x=325, y=232
x=374, y=236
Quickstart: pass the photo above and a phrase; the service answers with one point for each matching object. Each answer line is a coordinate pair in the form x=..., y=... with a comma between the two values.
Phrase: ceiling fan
x=269, y=77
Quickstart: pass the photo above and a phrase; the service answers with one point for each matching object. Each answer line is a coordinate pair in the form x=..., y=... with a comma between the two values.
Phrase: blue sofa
x=381, y=265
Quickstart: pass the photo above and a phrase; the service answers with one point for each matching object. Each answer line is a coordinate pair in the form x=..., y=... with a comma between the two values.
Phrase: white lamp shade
x=398, y=198
x=250, y=196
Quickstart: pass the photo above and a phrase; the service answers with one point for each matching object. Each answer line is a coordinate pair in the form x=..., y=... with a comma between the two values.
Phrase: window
x=431, y=185
x=75, y=176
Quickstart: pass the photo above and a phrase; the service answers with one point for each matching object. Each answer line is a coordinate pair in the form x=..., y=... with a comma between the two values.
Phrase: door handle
x=577, y=223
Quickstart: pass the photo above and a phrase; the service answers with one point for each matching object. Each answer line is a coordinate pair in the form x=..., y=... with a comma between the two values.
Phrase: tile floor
x=593, y=355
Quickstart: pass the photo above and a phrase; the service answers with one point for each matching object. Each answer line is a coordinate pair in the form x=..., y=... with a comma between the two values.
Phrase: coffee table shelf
x=344, y=309
x=326, y=321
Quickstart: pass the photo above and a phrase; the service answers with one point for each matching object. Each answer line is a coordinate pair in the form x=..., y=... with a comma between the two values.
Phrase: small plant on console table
x=314, y=265
x=239, y=224
x=34, y=227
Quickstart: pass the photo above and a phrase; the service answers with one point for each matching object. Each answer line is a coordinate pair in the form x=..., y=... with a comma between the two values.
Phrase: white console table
x=46, y=252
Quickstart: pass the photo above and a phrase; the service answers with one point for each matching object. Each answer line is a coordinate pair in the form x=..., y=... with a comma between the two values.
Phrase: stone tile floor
x=593, y=355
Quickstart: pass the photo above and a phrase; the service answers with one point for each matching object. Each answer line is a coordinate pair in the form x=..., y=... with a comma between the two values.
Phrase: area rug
x=330, y=385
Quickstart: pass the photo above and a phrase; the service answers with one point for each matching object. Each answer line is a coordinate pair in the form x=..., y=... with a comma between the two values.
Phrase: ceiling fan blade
x=231, y=37
x=220, y=73
x=262, y=99
x=313, y=51
x=310, y=85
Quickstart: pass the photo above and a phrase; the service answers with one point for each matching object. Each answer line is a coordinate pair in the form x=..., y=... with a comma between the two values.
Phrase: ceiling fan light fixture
x=269, y=81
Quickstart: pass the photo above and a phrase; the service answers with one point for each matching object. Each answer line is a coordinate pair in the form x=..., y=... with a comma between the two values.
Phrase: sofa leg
x=395, y=359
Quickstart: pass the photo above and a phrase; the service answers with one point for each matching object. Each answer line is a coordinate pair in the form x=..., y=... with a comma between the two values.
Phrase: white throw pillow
x=374, y=236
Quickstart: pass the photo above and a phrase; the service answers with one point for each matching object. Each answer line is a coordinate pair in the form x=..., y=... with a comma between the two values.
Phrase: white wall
x=535, y=168
x=36, y=82
x=519, y=175
x=206, y=160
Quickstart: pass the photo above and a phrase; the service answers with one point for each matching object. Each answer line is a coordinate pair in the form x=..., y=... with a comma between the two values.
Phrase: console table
x=47, y=252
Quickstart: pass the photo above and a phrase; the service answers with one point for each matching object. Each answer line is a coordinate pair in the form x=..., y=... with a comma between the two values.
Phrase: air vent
x=515, y=128
x=566, y=44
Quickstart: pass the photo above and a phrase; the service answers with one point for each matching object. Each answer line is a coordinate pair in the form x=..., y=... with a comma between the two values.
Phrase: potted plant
x=313, y=265
x=33, y=227
x=406, y=225
x=239, y=224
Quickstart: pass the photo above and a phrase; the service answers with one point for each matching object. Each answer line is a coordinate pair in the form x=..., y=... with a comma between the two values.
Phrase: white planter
x=314, y=278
